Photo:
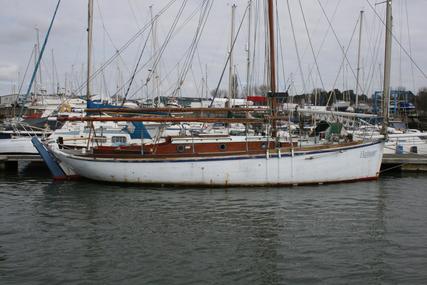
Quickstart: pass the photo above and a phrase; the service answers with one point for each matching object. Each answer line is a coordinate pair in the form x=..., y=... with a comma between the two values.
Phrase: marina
x=204, y=142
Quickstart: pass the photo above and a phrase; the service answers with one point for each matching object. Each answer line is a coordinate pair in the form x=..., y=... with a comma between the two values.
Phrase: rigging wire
x=343, y=62
x=229, y=55
x=106, y=32
x=409, y=43
x=166, y=41
x=199, y=61
x=311, y=45
x=338, y=41
x=276, y=31
x=120, y=88
x=316, y=25
x=187, y=20
x=136, y=69
x=133, y=14
x=255, y=40
x=266, y=46
x=26, y=70
x=400, y=39
x=296, y=49
x=324, y=38
x=398, y=42
x=202, y=24
x=125, y=46
x=376, y=38
x=196, y=84
x=239, y=80
x=280, y=46
x=104, y=80
x=56, y=74
x=40, y=56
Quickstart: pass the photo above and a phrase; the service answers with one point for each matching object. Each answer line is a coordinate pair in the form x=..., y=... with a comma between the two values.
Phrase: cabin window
x=264, y=145
x=102, y=139
x=413, y=149
x=118, y=140
x=222, y=146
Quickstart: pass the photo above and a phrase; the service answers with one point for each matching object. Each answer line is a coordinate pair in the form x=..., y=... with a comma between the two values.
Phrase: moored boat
x=220, y=164
x=225, y=160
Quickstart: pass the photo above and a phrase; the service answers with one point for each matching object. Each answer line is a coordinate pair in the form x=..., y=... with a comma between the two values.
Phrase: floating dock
x=11, y=160
x=406, y=162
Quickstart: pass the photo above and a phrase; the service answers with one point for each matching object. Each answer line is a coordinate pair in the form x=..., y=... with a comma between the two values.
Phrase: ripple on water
x=85, y=232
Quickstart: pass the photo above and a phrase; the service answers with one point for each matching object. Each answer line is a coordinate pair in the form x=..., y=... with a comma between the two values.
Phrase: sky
x=314, y=58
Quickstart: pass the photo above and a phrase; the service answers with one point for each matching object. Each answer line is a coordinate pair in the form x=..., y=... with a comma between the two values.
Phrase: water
x=90, y=233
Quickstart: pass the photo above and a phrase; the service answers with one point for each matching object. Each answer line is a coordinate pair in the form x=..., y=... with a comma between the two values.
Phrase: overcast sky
x=117, y=21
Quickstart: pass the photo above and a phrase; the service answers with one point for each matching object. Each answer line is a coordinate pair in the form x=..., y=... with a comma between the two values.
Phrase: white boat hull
x=19, y=145
x=351, y=163
x=407, y=146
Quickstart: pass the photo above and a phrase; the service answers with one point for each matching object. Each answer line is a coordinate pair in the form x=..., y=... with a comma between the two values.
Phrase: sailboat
x=250, y=160
x=16, y=138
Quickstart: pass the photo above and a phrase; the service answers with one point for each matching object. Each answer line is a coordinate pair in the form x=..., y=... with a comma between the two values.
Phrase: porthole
x=180, y=148
x=222, y=146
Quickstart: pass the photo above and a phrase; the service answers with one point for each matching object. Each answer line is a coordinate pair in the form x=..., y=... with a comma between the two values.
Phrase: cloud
x=121, y=20
x=8, y=72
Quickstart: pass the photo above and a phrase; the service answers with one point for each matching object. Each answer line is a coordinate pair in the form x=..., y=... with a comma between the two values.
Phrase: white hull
x=19, y=145
x=407, y=146
x=401, y=143
x=360, y=162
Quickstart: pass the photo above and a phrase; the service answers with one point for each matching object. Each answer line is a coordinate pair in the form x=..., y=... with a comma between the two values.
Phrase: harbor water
x=93, y=233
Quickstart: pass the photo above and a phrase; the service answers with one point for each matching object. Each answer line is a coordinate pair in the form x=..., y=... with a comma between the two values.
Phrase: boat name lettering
x=368, y=154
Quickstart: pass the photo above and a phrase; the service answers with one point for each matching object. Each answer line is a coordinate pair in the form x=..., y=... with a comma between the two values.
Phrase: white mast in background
x=387, y=66
x=358, y=60
x=89, y=49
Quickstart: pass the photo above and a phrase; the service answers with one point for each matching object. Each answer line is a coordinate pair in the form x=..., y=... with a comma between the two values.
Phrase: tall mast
x=358, y=59
x=89, y=49
x=272, y=50
x=35, y=68
x=38, y=52
x=65, y=84
x=272, y=67
x=53, y=73
x=206, y=82
x=40, y=56
x=155, y=72
x=231, y=67
x=248, y=72
x=153, y=49
x=387, y=66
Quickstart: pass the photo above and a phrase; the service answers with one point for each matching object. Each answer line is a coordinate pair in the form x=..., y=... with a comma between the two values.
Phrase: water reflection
x=91, y=232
